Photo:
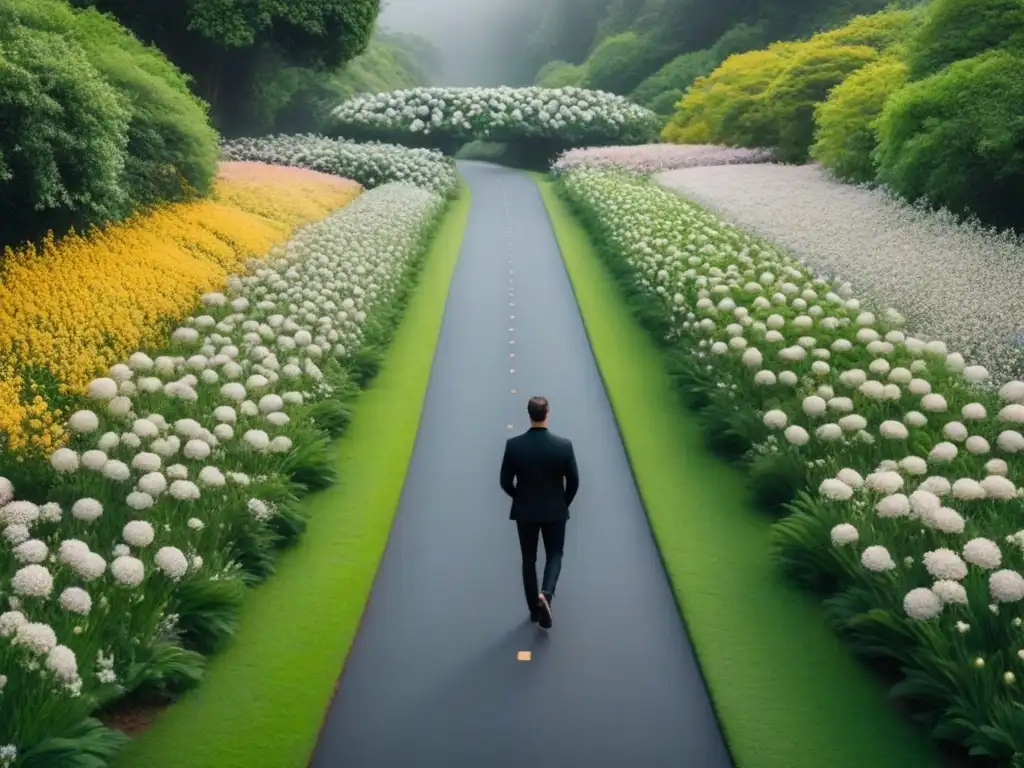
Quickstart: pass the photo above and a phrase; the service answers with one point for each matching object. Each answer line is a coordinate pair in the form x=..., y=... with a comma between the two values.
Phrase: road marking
x=511, y=370
x=524, y=656
x=514, y=391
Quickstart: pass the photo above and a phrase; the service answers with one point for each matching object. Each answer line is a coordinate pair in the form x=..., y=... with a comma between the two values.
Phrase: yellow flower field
x=71, y=308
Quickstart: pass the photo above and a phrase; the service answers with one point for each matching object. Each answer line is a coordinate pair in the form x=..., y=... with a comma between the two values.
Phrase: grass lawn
x=265, y=696
x=787, y=692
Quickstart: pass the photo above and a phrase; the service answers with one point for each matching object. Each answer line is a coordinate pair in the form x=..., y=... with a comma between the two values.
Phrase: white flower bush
x=191, y=478
x=655, y=158
x=897, y=460
x=573, y=116
x=370, y=164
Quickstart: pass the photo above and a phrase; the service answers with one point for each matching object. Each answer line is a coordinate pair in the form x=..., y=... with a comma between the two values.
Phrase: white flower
x=184, y=490
x=64, y=460
x=76, y=600
x=983, y=553
x=177, y=472
x=116, y=470
x=1012, y=392
x=893, y=430
x=32, y=581
x=225, y=414
x=83, y=422
x=10, y=622
x=835, y=490
x=844, y=534
x=895, y=505
x=977, y=445
x=913, y=465
x=943, y=452
x=6, y=491
x=973, y=412
x=39, y=639
x=829, y=432
x=877, y=559
x=966, y=489
x=945, y=564
x=1010, y=441
x=128, y=571
x=794, y=434
x=922, y=501
x=153, y=484
x=146, y=462
x=62, y=662
x=998, y=487
x=954, y=430
x=138, y=533
x=258, y=440
x=86, y=510
x=212, y=477
x=171, y=561
x=19, y=513
x=16, y=533
x=31, y=551
x=1006, y=586
x=887, y=482
x=196, y=450
x=950, y=592
x=851, y=477
x=101, y=389
x=1013, y=413
x=996, y=467
x=853, y=423
x=139, y=500
x=922, y=604
x=915, y=419
x=90, y=567
x=196, y=524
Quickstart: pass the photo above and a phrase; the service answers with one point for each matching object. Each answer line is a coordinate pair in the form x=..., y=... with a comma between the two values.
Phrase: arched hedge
x=536, y=124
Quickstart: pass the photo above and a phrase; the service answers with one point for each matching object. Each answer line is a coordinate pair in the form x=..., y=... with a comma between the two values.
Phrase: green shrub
x=845, y=135
x=560, y=74
x=670, y=82
x=171, y=149
x=956, y=139
x=791, y=99
x=63, y=135
x=620, y=63
x=960, y=29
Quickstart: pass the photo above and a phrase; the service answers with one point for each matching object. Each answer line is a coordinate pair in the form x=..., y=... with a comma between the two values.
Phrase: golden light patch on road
x=524, y=656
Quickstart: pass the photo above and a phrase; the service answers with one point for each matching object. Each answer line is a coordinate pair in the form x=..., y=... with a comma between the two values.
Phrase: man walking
x=538, y=471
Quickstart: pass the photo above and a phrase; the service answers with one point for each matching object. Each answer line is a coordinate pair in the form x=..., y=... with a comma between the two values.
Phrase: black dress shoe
x=544, y=608
x=534, y=616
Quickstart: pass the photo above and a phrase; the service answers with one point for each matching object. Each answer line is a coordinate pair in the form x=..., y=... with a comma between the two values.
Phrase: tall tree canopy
x=228, y=45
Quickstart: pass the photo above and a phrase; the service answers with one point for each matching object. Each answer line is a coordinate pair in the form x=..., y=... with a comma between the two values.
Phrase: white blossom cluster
x=371, y=164
x=951, y=280
x=567, y=114
x=655, y=158
x=913, y=458
x=184, y=451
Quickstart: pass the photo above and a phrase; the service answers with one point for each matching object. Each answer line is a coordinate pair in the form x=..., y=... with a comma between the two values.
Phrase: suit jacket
x=539, y=472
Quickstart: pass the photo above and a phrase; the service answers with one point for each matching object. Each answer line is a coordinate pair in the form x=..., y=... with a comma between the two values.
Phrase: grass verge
x=787, y=692
x=264, y=698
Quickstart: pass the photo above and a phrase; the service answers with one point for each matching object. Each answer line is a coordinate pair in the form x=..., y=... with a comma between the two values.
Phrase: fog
x=482, y=41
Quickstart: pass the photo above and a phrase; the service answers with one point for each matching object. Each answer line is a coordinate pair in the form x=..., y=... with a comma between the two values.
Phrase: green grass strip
x=265, y=696
x=787, y=692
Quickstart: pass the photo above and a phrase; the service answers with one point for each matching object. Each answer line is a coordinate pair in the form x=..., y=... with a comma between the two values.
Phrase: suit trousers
x=554, y=543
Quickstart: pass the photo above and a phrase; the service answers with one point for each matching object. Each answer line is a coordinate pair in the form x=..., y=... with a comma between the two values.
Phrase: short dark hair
x=537, y=408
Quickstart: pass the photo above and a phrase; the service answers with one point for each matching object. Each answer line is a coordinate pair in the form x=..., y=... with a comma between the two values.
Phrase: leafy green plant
x=845, y=132
x=954, y=30
x=956, y=139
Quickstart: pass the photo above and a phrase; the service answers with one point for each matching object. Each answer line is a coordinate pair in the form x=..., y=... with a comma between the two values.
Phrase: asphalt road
x=433, y=679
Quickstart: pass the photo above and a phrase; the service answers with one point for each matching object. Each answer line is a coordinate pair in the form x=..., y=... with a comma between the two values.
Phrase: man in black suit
x=539, y=472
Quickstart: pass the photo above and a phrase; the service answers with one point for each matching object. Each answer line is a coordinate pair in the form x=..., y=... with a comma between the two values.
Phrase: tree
x=558, y=74
x=225, y=45
x=846, y=135
x=960, y=29
x=956, y=138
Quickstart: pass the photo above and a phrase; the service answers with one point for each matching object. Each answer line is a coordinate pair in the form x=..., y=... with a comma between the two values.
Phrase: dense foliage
x=893, y=462
x=768, y=97
x=92, y=124
x=536, y=123
x=230, y=48
x=845, y=138
x=299, y=100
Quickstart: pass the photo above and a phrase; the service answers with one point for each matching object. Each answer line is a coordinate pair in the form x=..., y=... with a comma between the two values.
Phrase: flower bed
x=653, y=158
x=951, y=280
x=181, y=484
x=370, y=164
x=895, y=461
x=568, y=116
x=70, y=308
